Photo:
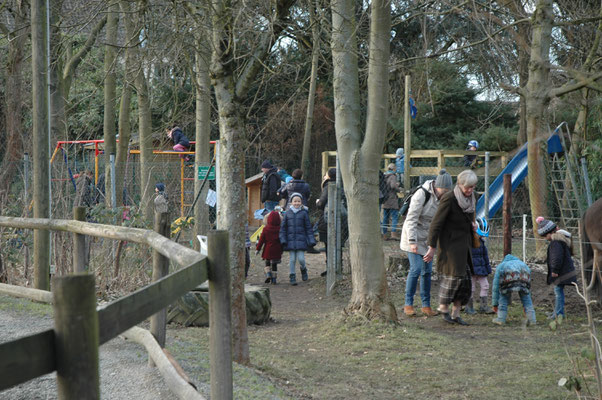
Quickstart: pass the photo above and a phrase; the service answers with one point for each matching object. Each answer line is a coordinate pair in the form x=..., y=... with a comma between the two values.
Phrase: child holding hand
x=269, y=240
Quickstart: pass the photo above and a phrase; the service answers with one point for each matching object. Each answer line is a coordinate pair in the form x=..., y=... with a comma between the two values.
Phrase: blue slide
x=518, y=168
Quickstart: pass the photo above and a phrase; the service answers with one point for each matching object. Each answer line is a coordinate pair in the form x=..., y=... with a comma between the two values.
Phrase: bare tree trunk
x=41, y=172
x=311, y=96
x=109, y=98
x=146, y=145
x=359, y=159
x=537, y=97
x=203, y=133
x=13, y=145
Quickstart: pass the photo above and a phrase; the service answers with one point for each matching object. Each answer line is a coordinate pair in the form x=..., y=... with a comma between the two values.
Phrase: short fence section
x=71, y=348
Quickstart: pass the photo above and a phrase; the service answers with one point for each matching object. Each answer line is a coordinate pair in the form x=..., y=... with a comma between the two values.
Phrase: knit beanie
x=544, y=226
x=443, y=180
x=160, y=187
x=267, y=164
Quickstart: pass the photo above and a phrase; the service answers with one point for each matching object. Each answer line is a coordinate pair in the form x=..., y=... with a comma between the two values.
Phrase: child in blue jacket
x=482, y=268
x=297, y=235
x=512, y=275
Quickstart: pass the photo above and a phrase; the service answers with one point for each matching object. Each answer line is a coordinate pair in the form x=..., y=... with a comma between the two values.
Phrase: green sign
x=203, y=172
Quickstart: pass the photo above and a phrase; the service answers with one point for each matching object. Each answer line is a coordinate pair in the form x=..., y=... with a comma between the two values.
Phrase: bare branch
x=571, y=87
x=79, y=56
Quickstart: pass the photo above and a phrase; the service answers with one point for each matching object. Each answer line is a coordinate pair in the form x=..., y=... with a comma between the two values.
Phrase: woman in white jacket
x=414, y=235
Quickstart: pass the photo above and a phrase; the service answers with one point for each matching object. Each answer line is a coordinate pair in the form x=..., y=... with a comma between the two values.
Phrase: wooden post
x=332, y=240
x=220, y=322
x=507, y=214
x=407, y=136
x=79, y=243
x=160, y=270
x=76, y=337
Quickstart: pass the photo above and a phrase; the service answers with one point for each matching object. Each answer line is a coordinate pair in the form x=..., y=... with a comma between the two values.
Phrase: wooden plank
x=76, y=337
x=453, y=171
x=220, y=321
x=176, y=252
x=42, y=296
x=122, y=314
x=27, y=358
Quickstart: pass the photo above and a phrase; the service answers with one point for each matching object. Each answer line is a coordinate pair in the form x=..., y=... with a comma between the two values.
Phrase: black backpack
x=405, y=205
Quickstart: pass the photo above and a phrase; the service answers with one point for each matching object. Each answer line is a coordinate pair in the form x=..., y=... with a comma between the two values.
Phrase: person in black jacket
x=296, y=185
x=180, y=141
x=270, y=184
x=561, y=270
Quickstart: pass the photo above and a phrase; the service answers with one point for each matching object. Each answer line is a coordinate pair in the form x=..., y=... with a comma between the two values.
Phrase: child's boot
x=531, y=319
x=469, y=309
x=268, y=274
x=293, y=279
x=484, y=308
x=501, y=317
x=274, y=276
x=304, y=276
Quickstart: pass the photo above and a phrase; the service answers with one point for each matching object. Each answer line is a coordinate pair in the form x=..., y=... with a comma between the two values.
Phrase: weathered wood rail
x=71, y=348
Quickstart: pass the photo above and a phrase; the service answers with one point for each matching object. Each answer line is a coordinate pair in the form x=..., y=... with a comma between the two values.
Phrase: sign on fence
x=203, y=172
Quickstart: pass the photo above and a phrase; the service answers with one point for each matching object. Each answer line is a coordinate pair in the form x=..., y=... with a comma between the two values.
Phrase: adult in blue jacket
x=297, y=235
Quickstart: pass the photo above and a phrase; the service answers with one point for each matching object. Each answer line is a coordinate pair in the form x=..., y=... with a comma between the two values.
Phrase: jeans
x=270, y=205
x=294, y=256
x=394, y=217
x=525, y=298
x=418, y=268
x=559, y=306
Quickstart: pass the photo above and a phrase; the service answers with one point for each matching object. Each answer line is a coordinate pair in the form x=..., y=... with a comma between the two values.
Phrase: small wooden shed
x=253, y=185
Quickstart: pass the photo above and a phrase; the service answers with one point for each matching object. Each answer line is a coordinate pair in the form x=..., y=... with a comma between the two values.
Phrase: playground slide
x=518, y=168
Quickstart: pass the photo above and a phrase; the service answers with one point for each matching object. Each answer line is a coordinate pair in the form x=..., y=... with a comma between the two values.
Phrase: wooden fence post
x=76, y=337
x=79, y=243
x=507, y=214
x=158, y=321
x=220, y=323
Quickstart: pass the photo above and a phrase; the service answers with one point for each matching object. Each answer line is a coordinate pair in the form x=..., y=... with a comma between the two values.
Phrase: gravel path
x=124, y=370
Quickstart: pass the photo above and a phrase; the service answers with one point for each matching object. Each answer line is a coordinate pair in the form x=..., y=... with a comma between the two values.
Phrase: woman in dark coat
x=451, y=233
x=297, y=235
x=272, y=249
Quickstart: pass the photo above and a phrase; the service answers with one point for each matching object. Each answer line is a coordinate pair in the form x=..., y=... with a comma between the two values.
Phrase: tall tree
x=41, y=172
x=360, y=153
x=110, y=90
x=231, y=87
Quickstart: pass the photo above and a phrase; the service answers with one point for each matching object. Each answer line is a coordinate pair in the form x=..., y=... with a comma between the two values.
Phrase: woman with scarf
x=451, y=232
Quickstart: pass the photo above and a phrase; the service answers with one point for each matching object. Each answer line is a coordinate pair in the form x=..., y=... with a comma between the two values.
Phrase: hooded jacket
x=270, y=183
x=559, y=259
x=270, y=238
x=178, y=137
x=511, y=275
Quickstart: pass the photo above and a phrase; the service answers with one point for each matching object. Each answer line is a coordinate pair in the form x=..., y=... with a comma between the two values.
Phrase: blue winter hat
x=160, y=187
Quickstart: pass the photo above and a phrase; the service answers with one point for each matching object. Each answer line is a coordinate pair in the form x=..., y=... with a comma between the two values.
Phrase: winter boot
x=501, y=317
x=469, y=309
x=386, y=236
x=484, y=308
x=293, y=279
x=274, y=276
x=531, y=319
x=304, y=276
x=268, y=274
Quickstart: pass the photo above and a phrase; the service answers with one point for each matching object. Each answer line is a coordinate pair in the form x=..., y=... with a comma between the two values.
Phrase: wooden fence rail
x=29, y=357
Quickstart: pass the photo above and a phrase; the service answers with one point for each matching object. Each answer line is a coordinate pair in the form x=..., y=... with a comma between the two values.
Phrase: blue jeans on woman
x=394, y=214
x=294, y=256
x=559, y=304
x=424, y=270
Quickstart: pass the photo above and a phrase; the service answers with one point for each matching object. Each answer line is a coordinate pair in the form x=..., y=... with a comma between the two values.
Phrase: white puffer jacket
x=418, y=220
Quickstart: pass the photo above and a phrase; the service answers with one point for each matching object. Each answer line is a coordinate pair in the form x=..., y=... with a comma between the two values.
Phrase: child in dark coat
x=297, y=235
x=272, y=249
x=561, y=270
x=482, y=268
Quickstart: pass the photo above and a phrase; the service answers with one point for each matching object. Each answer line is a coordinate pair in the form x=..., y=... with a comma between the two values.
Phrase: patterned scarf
x=467, y=204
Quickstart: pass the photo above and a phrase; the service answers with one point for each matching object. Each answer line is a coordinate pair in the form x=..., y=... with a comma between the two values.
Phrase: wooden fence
x=71, y=348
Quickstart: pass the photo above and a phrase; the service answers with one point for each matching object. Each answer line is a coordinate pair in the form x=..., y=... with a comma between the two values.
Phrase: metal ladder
x=565, y=180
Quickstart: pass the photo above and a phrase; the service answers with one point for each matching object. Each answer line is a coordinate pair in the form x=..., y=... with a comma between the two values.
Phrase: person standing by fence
x=414, y=234
x=390, y=203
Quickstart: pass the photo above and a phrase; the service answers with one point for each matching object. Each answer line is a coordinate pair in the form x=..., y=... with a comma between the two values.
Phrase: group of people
x=442, y=219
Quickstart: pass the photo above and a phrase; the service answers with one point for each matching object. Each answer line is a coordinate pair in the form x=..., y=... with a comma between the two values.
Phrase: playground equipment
x=174, y=171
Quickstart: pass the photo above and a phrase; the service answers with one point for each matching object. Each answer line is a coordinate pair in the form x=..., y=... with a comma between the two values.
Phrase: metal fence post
x=331, y=240
x=220, y=322
x=507, y=214
x=487, y=162
x=76, y=337
x=337, y=210
x=524, y=238
x=160, y=270
x=80, y=263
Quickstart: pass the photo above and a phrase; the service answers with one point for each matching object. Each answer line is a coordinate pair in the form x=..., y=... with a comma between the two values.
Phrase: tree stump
x=192, y=309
